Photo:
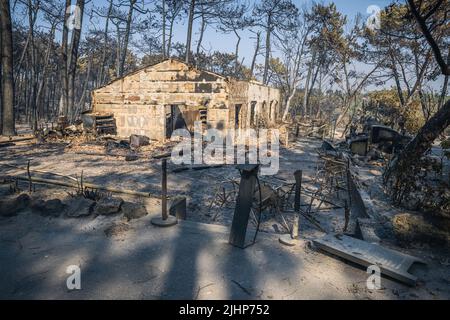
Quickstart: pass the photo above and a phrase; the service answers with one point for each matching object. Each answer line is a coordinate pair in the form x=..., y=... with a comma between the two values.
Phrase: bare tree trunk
x=45, y=72
x=202, y=32
x=82, y=101
x=169, y=41
x=445, y=86
x=189, y=33
x=25, y=49
x=127, y=38
x=1, y=82
x=308, y=80
x=255, y=56
x=33, y=103
x=288, y=104
x=118, y=51
x=164, y=29
x=73, y=59
x=426, y=104
x=64, y=102
x=100, y=79
x=236, y=53
x=398, y=85
x=311, y=88
x=268, y=46
x=8, y=128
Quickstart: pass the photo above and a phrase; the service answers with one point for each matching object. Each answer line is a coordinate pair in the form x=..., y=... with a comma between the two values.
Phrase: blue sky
x=226, y=43
x=214, y=40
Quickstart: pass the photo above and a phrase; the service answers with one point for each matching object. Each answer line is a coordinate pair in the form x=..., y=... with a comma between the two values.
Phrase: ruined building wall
x=141, y=101
x=268, y=101
x=256, y=101
x=146, y=101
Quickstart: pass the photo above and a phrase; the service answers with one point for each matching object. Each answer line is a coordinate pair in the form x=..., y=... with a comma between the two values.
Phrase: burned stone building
x=156, y=100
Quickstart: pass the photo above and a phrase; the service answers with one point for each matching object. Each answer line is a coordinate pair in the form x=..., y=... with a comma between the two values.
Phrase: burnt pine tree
x=274, y=15
x=73, y=59
x=398, y=174
x=7, y=70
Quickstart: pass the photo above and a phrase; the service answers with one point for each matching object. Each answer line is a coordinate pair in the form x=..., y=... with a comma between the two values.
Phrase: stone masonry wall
x=141, y=100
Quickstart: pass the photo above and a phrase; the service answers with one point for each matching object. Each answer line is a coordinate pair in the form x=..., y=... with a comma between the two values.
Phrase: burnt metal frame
x=249, y=177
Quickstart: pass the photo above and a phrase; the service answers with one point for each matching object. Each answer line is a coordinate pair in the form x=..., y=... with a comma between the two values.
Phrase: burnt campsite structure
x=156, y=100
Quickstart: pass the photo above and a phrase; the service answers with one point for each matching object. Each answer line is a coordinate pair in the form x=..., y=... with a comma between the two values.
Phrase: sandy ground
x=199, y=187
x=189, y=261
x=192, y=260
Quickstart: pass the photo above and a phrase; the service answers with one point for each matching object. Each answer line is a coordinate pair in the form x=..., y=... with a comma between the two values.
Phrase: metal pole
x=165, y=220
x=298, y=190
x=249, y=176
x=291, y=239
x=164, y=190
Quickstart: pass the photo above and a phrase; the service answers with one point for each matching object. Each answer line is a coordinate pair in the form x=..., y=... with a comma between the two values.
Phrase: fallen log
x=162, y=156
x=87, y=185
x=98, y=154
x=199, y=168
x=315, y=130
x=16, y=140
x=41, y=171
x=6, y=145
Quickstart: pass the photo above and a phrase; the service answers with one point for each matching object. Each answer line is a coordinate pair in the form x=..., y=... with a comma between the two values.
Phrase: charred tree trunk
x=288, y=104
x=255, y=56
x=43, y=82
x=34, y=72
x=445, y=86
x=8, y=127
x=189, y=34
x=81, y=103
x=118, y=50
x=311, y=88
x=169, y=41
x=202, y=33
x=307, y=84
x=399, y=171
x=1, y=83
x=236, y=53
x=164, y=54
x=64, y=103
x=73, y=60
x=126, y=39
x=101, y=76
x=268, y=44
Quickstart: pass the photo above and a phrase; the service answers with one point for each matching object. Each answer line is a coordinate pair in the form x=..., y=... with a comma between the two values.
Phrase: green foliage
x=384, y=105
